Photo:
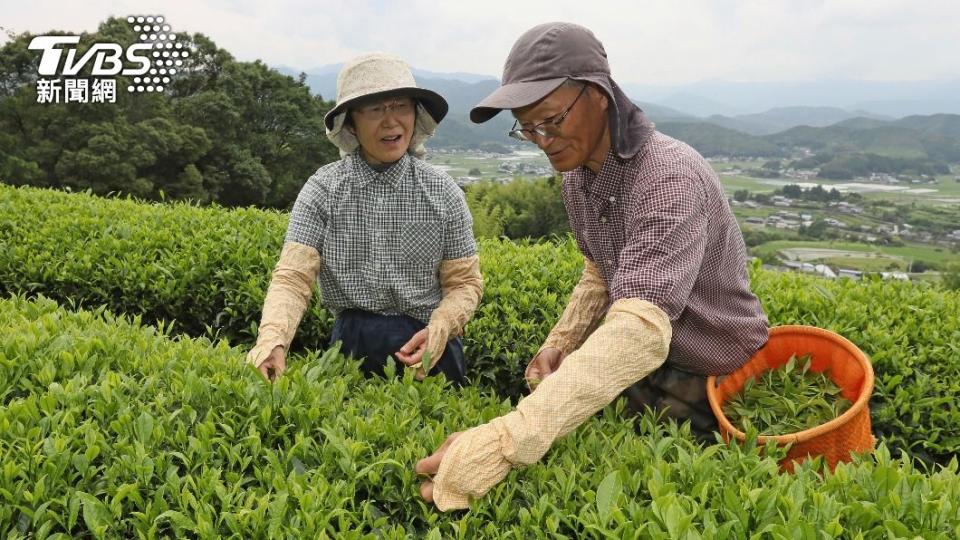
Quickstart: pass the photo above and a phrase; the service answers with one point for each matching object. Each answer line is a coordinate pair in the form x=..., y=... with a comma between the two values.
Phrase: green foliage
x=951, y=277
x=712, y=140
x=205, y=271
x=862, y=164
x=773, y=165
x=236, y=133
x=113, y=430
x=911, y=341
x=816, y=193
x=753, y=237
x=786, y=400
x=817, y=229
x=908, y=141
x=522, y=208
x=763, y=173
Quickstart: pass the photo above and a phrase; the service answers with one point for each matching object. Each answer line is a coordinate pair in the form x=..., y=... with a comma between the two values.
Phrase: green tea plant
x=115, y=429
x=204, y=272
x=786, y=400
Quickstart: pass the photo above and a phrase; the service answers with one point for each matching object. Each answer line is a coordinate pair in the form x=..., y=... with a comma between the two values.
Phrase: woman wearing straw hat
x=387, y=237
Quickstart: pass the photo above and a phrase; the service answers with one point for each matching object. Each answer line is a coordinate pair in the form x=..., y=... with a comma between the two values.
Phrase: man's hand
x=429, y=466
x=274, y=365
x=543, y=364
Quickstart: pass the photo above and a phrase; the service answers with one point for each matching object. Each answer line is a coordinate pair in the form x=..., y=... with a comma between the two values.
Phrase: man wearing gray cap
x=664, y=267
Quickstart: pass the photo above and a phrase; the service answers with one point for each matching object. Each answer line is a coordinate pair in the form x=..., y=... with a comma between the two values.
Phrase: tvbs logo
x=151, y=62
x=106, y=57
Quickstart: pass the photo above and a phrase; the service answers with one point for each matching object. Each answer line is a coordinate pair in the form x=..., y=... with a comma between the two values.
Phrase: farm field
x=460, y=164
x=127, y=409
x=815, y=250
x=946, y=192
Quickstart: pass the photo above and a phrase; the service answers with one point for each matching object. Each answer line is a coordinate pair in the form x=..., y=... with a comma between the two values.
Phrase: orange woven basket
x=845, y=364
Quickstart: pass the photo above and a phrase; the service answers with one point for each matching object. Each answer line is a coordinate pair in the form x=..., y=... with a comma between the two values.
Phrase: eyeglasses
x=547, y=128
x=399, y=107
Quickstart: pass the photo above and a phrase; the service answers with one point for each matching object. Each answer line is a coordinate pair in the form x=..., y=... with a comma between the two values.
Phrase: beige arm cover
x=287, y=299
x=462, y=287
x=584, y=310
x=633, y=341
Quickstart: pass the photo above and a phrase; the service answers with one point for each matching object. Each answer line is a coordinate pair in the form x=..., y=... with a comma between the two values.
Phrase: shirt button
x=609, y=262
x=613, y=199
x=603, y=219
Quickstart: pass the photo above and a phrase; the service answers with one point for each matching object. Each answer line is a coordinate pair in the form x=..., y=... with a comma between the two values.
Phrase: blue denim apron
x=373, y=337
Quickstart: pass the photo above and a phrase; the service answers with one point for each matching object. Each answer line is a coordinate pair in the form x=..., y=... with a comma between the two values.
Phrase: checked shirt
x=659, y=228
x=382, y=235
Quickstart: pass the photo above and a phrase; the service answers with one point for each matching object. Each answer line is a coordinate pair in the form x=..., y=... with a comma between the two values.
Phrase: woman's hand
x=412, y=351
x=411, y=354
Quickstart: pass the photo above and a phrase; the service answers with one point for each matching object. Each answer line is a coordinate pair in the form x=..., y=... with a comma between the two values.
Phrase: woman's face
x=384, y=128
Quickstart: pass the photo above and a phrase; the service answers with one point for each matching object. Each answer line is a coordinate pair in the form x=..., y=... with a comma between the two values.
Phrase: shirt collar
x=392, y=176
x=607, y=182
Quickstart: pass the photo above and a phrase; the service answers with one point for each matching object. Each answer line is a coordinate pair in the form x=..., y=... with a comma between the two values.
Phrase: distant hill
x=893, y=139
x=660, y=113
x=731, y=98
x=713, y=140
x=696, y=104
x=774, y=132
x=457, y=130
x=783, y=118
x=323, y=80
x=935, y=124
x=947, y=125
x=861, y=123
x=923, y=138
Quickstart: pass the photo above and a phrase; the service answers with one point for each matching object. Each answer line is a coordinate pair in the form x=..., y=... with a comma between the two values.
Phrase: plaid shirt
x=382, y=235
x=659, y=228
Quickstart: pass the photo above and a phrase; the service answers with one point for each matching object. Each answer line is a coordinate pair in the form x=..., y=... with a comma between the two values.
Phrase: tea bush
x=204, y=271
x=113, y=429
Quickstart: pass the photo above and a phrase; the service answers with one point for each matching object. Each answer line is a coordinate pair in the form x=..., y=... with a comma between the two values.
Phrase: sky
x=647, y=42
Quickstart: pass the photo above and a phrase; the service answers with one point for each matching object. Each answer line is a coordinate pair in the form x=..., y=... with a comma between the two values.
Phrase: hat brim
x=436, y=106
x=513, y=96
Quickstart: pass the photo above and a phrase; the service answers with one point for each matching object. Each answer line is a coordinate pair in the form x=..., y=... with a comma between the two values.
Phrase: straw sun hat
x=381, y=75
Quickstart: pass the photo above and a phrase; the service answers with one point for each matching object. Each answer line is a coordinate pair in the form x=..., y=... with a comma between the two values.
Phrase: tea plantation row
x=113, y=430
x=205, y=271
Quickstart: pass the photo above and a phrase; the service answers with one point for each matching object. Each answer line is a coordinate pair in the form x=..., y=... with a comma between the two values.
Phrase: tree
x=792, y=190
x=817, y=229
x=237, y=133
x=773, y=165
x=741, y=195
x=523, y=208
x=951, y=277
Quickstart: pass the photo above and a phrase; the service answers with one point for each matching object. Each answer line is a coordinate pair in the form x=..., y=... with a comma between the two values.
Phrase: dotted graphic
x=165, y=55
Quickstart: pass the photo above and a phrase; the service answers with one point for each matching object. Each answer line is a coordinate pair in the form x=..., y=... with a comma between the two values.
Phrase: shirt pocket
x=421, y=242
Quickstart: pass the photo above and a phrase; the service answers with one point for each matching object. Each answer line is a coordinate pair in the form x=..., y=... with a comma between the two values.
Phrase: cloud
x=647, y=42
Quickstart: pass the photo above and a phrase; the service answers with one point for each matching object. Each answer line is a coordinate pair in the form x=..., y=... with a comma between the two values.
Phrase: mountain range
x=715, y=127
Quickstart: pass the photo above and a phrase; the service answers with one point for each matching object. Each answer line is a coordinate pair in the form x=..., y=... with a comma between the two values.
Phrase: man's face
x=577, y=137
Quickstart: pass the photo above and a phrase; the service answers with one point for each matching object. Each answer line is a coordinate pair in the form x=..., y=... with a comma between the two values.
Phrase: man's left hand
x=430, y=465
